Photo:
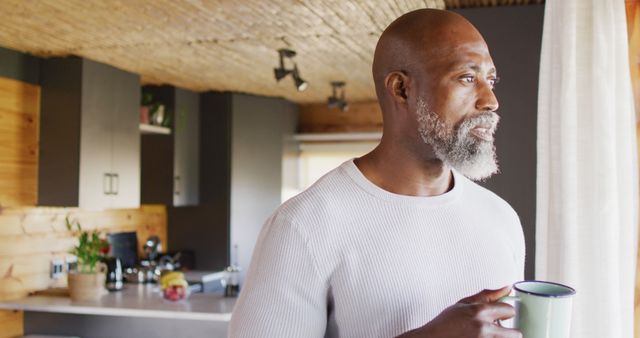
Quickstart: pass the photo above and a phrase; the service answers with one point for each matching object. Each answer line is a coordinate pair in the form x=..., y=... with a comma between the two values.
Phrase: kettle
x=114, y=274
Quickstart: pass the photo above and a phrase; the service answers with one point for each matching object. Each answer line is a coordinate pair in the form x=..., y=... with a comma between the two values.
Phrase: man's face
x=455, y=109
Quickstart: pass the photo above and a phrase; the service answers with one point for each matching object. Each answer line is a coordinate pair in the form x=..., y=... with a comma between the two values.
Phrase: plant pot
x=144, y=114
x=86, y=286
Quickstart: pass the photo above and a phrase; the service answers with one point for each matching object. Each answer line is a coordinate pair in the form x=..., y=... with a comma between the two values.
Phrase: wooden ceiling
x=226, y=45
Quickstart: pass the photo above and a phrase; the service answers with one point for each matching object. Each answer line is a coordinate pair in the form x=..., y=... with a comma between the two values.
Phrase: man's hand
x=471, y=317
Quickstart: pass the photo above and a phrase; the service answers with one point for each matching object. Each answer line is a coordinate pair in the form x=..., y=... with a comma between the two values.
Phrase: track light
x=282, y=72
x=335, y=101
x=301, y=84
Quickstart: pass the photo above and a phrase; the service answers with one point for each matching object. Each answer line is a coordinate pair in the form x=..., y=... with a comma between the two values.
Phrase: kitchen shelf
x=151, y=129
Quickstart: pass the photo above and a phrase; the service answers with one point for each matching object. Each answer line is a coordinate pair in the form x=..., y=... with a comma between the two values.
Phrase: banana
x=173, y=278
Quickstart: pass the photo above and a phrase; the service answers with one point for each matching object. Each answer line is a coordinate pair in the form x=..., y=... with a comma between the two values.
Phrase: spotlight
x=335, y=101
x=301, y=84
x=282, y=72
x=344, y=106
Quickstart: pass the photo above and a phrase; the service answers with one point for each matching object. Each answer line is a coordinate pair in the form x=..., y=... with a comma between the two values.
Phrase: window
x=315, y=159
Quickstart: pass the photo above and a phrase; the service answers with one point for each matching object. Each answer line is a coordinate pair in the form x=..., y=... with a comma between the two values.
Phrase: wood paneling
x=223, y=45
x=31, y=237
x=11, y=324
x=450, y=4
x=361, y=117
x=19, y=120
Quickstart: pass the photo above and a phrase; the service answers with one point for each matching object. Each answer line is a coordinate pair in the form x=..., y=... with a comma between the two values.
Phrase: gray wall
x=514, y=36
x=258, y=131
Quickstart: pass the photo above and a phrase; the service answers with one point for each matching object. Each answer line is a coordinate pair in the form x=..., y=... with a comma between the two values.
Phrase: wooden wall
x=361, y=117
x=19, y=117
x=30, y=236
x=11, y=324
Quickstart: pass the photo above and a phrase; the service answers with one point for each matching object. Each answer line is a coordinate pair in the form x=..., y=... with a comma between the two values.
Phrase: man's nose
x=487, y=100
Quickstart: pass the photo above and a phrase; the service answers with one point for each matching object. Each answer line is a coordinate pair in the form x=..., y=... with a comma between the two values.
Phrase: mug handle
x=504, y=299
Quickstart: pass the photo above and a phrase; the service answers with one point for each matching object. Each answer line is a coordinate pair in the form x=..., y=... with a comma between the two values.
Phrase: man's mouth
x=483, y=132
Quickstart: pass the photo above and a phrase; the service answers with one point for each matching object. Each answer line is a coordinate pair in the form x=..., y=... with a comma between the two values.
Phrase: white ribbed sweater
x=346, y=258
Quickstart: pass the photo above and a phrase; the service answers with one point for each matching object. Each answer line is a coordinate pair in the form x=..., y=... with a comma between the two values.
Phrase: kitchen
x=164, y=119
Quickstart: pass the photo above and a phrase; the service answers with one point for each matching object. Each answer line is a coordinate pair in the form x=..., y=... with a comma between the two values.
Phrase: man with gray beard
x=458, y=148
x=401, y=241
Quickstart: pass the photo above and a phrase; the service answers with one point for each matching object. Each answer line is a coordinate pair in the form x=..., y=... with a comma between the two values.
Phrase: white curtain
x=586, y=233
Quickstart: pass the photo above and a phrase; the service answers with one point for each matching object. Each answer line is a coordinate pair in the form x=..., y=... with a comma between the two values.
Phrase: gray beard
x=456, y=147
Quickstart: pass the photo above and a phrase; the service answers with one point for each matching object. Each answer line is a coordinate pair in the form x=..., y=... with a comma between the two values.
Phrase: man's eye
x=468, y=79
x=494, y=81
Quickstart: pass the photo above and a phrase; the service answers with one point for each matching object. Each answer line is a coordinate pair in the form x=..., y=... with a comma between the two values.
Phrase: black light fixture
x=335, y=101
x=301, y=84
x=282, y=72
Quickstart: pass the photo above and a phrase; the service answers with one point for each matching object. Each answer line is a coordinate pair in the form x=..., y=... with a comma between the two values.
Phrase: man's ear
x=397, y=85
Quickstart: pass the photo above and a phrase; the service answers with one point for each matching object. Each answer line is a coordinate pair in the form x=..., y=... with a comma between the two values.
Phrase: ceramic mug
x=543, y=309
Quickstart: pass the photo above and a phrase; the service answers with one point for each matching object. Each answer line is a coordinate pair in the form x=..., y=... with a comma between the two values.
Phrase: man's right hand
x=471, y=317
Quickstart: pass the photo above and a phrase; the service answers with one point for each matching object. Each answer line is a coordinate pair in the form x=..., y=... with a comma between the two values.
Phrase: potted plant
x=88, y=281
x=153, y=112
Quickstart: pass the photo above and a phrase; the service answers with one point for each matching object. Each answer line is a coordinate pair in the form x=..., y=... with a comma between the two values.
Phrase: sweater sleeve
x=283, y=295
x=518, y=242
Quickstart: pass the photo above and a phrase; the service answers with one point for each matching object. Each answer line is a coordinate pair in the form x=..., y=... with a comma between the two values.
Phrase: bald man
x=399, y=242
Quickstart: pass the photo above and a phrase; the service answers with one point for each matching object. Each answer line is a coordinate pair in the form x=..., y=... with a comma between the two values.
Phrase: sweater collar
x=363, y=182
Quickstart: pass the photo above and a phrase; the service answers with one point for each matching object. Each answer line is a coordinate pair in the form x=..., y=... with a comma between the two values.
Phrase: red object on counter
x=174, y=293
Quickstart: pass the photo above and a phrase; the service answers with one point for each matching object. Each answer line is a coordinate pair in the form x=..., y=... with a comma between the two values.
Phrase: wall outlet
x=57, y=265
x=71, y=263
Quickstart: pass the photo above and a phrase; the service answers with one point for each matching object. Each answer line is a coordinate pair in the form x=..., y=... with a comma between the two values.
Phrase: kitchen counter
x=136, y=300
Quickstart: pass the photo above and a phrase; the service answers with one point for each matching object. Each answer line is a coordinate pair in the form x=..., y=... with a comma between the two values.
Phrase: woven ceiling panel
x=225, y=45
x=488, y=3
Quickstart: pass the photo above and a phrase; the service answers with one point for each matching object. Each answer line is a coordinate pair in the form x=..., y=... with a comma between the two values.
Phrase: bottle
x=232, y=287
x=232, y=277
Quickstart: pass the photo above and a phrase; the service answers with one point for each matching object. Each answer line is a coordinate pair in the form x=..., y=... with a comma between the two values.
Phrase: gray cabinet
x=89, y=138
x=242, y=147
x=171, y=163
x=186, y=157
x=125, y=142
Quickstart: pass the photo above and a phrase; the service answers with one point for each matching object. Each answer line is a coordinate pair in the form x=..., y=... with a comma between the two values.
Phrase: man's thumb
x=487, y=296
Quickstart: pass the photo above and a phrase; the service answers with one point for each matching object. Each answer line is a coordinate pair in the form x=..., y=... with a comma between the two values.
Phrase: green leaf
x=89, y=248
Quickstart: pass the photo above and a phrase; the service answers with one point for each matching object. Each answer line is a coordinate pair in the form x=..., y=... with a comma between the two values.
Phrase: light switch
x=56, y=268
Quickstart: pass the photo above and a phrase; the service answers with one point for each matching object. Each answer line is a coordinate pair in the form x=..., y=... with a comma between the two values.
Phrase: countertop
x=136, y=300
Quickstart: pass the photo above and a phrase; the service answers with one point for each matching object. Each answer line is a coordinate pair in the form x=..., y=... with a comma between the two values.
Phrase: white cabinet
x=90, y=144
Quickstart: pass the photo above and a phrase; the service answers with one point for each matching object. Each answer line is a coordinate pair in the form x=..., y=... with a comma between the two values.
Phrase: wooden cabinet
x=171, y=163
x=89, y=139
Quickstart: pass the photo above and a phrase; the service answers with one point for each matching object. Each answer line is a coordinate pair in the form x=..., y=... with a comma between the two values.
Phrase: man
x=387, y=244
